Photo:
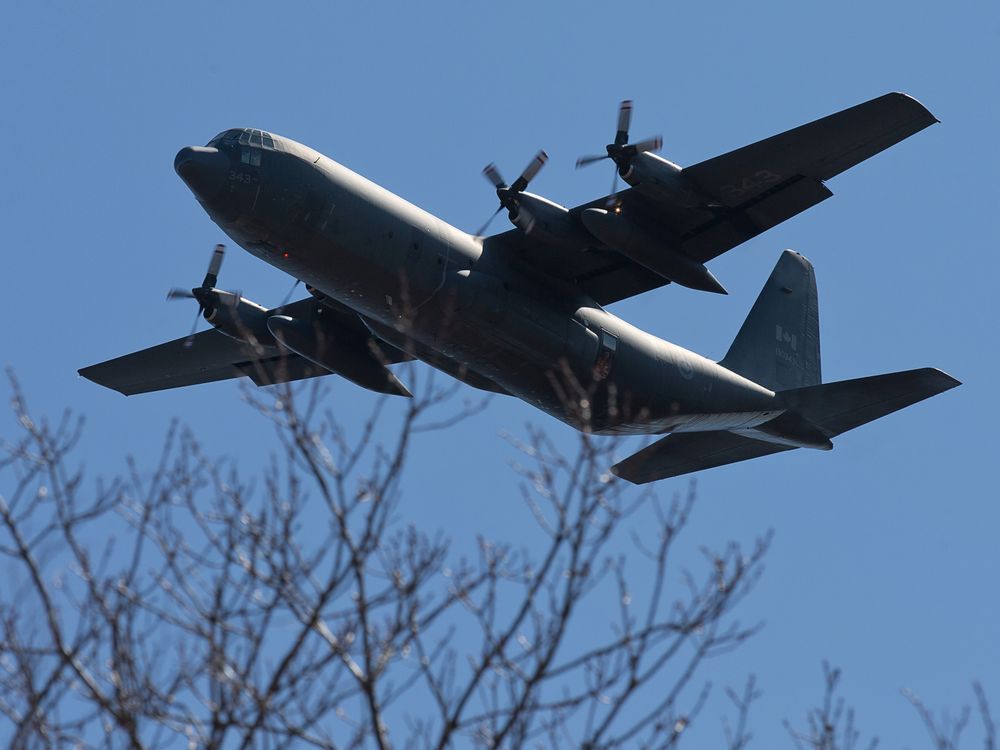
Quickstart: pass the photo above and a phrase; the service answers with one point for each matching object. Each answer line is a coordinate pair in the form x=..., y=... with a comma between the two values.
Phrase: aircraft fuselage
x=426, y=286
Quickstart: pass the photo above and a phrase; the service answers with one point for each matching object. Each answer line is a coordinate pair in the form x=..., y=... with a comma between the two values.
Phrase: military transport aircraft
x=522, y=312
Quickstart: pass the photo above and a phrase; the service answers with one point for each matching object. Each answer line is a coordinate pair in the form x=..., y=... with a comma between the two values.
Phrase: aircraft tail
x=778, y=344
x=778, y=347
x=838, y=407
x=813, y=415
x=684, y=452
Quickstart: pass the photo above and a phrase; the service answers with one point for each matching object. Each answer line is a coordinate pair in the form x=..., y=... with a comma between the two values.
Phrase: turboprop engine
x=333, y=350
x=636, y=243
x=652, y=175
x=315, y=337
x=534, y=215
x=229, y=312
x=236, y=316
x=662, y=181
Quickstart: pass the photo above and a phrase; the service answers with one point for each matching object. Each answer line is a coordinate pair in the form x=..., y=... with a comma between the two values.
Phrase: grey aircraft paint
x=390, y=282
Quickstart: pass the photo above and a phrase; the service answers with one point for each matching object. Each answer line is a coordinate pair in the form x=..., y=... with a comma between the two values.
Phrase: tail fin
x=778, y=345
x=838, y=407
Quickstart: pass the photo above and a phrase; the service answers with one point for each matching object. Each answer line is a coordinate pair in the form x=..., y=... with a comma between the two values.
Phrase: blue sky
x=885, y=555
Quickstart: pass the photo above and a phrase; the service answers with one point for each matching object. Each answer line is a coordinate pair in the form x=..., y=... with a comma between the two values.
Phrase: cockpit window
x=250, y=156
x=225, y=136
x=245, y=137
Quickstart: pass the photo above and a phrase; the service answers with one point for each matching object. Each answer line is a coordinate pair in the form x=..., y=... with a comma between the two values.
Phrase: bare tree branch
x=831, y=725
x=184, y=602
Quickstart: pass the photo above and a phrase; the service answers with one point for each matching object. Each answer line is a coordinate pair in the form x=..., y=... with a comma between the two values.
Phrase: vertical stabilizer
x=778, y=345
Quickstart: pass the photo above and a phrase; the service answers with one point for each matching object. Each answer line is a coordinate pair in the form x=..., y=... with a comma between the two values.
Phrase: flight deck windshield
x=245, y=137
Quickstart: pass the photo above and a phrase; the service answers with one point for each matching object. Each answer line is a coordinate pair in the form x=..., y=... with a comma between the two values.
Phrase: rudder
x=778, y=344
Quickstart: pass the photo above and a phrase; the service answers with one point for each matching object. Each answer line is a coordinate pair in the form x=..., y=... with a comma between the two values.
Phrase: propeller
x=621, y=152
x=291, y=292
x=508, y=193
x=201, y=293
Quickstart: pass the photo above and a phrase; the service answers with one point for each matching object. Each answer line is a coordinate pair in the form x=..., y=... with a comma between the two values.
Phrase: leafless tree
x=946, y=730
x=830, y=726
x=737, y=733
x=185, y=602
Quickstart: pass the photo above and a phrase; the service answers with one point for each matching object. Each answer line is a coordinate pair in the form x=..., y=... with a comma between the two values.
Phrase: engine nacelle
x=351, y=357
x=548, y=222
x=663, y=181
x=638, y=244
x=237, y=317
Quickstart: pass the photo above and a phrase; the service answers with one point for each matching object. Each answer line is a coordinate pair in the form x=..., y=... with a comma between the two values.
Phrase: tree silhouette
x=188, y=603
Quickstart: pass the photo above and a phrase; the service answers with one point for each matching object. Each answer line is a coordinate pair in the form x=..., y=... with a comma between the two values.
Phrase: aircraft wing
x=753, y=188
x=213, y=356
x=819, y=150
x=684, y=452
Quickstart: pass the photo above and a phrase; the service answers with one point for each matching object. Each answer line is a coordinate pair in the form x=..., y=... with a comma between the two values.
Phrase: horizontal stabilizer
x=684, y=452
x=831, y=409
x=838, y=407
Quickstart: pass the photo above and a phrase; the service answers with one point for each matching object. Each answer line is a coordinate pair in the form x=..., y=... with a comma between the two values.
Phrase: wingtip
x=622, y=472
x=947, y=380
x=912, y=99
x=938, y=380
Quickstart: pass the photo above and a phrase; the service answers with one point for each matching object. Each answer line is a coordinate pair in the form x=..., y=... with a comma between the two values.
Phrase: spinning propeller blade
x=290, y=292
x=529, y=172
x=482, y=230
x=508, y=194
x=194, y=329
x=624, y=120
x=493, y=175
x=621, y=151
x=207, y=284
x=585, y=160
x=650, y=144
x=214, y=265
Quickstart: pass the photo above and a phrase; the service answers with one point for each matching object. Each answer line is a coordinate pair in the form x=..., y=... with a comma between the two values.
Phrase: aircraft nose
x=203, y=169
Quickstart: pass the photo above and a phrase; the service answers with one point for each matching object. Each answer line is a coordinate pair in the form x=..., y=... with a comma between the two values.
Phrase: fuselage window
x=605, y=355
x=250, y=156
x=255, y=138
